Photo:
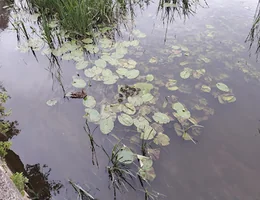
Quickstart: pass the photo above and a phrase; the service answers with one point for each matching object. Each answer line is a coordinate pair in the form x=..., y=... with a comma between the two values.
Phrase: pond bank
x=7, y=187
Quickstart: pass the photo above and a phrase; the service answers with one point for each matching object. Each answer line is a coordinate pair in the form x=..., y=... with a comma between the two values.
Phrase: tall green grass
x=81, y=17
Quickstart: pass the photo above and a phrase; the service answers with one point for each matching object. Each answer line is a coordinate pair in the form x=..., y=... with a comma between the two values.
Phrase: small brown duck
x=79, y=94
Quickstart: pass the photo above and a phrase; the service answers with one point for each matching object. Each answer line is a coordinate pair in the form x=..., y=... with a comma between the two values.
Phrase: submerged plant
x=82, y=193
x=118, y=169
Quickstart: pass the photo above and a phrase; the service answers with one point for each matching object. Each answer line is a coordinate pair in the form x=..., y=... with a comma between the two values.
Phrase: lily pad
x=51, y=102
x=147, y=97
x=147, y=174
x=135, y=100
x=149, y=77
x=153, y=60
x=186, y=136
x=92, y=114
x=81, y=65
x=171, y=85
x=226, y=98
x=122, y=71
x=145, y=162
x=93, y=71
x=161, y=118
x=145, y=87
x=129, y=109
x=223, y=87
x=205, y=88
x=100, y=63
x=125, y=119
x=106, y=125
x=178, y=106
x=78, y=83
x=125, y=155
x=162, y=139
x=186, y=73
x=89, y=102
x=131, y=74
x=141, y=123
x=178, y=129
x=148, y=133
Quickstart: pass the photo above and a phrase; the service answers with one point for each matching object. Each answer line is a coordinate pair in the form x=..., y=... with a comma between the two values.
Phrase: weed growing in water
x=82, y=194
x=4, y=147
x=19, y=181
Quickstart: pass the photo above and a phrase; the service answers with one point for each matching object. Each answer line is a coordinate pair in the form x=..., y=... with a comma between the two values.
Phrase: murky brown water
x=223, y=165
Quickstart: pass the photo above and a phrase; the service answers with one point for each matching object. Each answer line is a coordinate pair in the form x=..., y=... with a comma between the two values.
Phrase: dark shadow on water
x=4, y=13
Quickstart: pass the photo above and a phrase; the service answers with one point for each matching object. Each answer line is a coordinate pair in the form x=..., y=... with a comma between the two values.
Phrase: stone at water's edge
x=8, y=190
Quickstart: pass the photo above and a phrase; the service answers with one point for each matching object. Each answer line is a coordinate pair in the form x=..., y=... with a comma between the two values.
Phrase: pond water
x=223, y=164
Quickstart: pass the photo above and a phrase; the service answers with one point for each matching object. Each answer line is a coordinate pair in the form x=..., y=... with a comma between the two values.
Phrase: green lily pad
x=186, y=136
x=129, y=109
x=92, y=115
x=147, y=174
x=145, y=87
x=147, y=97
x=135, y=100
x=171, y=85
x=153, y=60
x=178, y=106
x=126, y=156
x=100, y=63
x=149, y=77
x=186, y=73
x=131, y=74
x=148, y=133
x=87, y=41
x=91, y=72
x=141, y=123
x=106, y=125
x=175, y=47
x=223, y=87
x=178, y=129
x=78, y=83
x=184, y=63
x=81, y=65
x=226, y=98
x=145, y=162
x=162, y=139
x=89, y=102
x=161, y=118
x=205, y=88
x=122, y=71
x=185, y=114
x=125, y=119
x=51, y=102
x=139, y=34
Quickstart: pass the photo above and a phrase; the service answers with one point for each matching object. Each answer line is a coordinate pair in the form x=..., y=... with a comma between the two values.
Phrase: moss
x=19, y=181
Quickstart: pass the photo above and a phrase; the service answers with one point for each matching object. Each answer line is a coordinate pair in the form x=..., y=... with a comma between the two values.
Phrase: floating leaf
x=171, y=85
x=106, y=125
x=161, y=118
x=226, y=98
x=147, y=97
x=93, y=71
x=145, y=87
x=129, y=109
x=153, y=60
x=147, y=174
x=148, y=133
x=89, y=102
x=223, y=87
x=139, y=34
x=186, y=73
x=51, y=102
x=122, y=71
x=92, y=114
x=141, y=123
x=125, y=119
x=178, y=106
x=154, y=153
x=131, y=74
x=78, y=83
x=125, y=155
x=81, y=65
x=178, y=129
x=205, y=88
x=145, y=162
x=149, y=77
x=186, y=136
x=175, y=47
x=162, y=139
x=135, y=100
x=198, y=73
x=184, y=63
x=185, y=114
x=87, y=41
x=100, y=63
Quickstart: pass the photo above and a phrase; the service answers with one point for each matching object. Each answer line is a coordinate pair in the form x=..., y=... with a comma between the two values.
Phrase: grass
x=19, y=180
x=82, y=17
x=4, y=147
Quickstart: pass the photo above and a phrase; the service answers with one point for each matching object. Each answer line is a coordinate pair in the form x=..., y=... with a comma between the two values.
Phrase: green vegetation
x=4, y=146
x=19, y=181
